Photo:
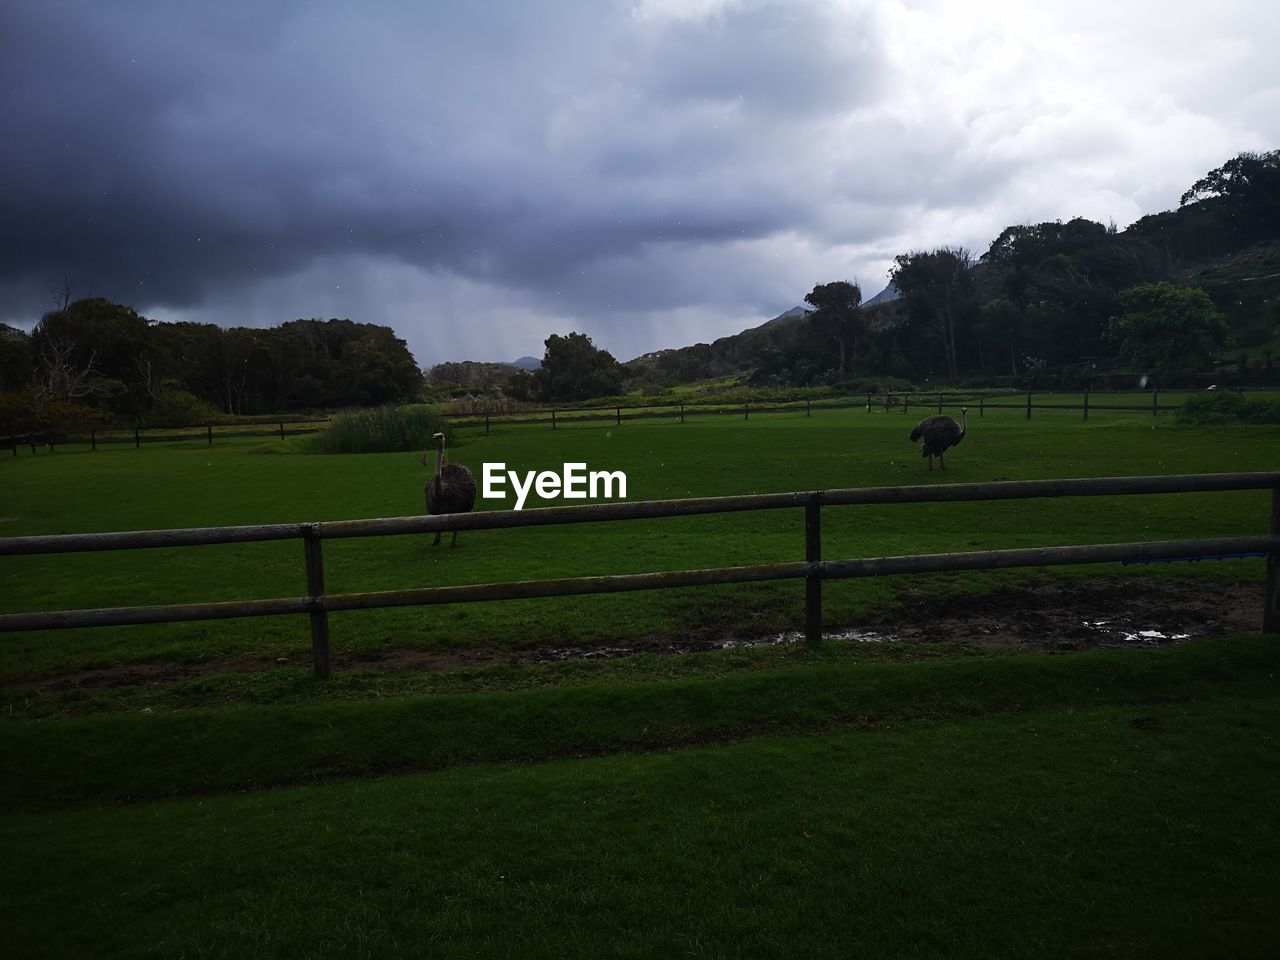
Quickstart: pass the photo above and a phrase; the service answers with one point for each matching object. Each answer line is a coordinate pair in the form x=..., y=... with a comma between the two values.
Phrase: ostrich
x=939, y=434
x=452, y=489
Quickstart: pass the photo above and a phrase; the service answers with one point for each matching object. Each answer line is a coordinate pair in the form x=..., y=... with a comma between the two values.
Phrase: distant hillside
x=728, y=355
x=478, y=374
x=887, y=295
x=1245, y=286
x=791, y=314
x=1035, y=306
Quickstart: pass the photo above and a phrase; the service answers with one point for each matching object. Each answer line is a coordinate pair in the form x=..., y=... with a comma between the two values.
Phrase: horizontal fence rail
x=140, y=435
x=813, y=569
x=898, y=401
x=641, y=510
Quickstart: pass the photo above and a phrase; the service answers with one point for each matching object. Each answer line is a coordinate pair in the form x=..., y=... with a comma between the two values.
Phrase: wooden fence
x=138, y=436
x=557, y=417
x=317, y=604
x=902, y=402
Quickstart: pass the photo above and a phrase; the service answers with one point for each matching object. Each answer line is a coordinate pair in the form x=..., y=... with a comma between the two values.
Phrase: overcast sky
x=650, y=172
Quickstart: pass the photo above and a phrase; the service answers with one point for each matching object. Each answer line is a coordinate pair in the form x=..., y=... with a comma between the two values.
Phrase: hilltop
x=1034, y=306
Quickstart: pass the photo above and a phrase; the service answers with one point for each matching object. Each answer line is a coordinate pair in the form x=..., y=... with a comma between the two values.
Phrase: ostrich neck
x=439, y=458
x=964, y=422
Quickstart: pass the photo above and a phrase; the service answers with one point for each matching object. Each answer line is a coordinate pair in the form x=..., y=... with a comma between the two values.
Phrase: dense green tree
x=522, y=386
x=95, y=351
x=1246, y=187
x=471, y=374
x=1007, y=333
x=575, y=369
x=937, y=287
x=17, y=362
x=94, y=348
x=837, y=319
x=1163, y=327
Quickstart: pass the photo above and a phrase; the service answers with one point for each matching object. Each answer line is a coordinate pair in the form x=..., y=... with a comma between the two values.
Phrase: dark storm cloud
x=169, y=150
x=481, y=175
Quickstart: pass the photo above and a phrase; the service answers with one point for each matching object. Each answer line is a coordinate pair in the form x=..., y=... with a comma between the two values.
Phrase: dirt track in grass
x=1046, y=615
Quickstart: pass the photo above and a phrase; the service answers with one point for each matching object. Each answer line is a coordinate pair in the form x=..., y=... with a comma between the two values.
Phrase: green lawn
x=1136, y=830
x=183, y=485
x=859, y=800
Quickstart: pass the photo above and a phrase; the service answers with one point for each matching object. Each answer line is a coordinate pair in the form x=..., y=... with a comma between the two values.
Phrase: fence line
x=317, y=604
x=139, y=436
x=899, y=400
x=559, y=416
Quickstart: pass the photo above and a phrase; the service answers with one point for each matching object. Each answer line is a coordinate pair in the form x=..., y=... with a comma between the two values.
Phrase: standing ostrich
x=939, y=434
x=452, y=489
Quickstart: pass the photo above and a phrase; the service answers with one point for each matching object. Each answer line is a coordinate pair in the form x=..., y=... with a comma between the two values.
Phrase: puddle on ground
x=735, y=643
x=1044, y=614
x=1101, y=633
x=1124, y=632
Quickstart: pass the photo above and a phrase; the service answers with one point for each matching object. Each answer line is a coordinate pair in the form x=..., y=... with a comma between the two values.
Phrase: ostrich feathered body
x=452, y=490
x=939, y=433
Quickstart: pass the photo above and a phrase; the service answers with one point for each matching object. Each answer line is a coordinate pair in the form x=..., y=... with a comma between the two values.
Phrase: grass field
x=184, y=485
x=858, y=800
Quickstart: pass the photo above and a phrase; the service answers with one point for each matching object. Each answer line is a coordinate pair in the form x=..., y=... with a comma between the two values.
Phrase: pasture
x=184, y=485
x=937, y=797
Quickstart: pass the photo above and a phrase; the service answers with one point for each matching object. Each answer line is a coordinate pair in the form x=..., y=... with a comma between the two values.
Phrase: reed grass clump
x=387, y=429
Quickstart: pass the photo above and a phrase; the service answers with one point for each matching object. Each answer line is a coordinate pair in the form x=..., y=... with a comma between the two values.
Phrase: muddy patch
x=1081, y=615
x=1046, y=614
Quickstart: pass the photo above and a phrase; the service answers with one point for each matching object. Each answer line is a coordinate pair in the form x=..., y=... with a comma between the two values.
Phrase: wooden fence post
x=315, y=592
x=619, y=416
x=93, y=440
x=486, y=423
x=939, y=401
x=813, y=582
x=137, y=437
x=211, y=434
x=682, y=413
x=1155, y=402
x=808, y=407
x=746, y=410
x=1028, y=404
x=906, y=402
x=982, y=402
x=1271, y=608
x=282, y=431
x=1086, y=404
x=553, y=419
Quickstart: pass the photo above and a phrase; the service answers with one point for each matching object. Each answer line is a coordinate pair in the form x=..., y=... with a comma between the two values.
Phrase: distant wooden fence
x=902, y=402
x=317, y=604
x=138, y=436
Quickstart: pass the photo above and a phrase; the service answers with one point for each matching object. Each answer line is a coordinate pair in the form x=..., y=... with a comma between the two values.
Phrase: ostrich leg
x=455, y=539
x=436, y=541
x=942, y=459
x=931, y=463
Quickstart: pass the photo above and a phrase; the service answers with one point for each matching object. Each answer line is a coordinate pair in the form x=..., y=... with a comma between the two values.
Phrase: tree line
x=92, y=360
x=1048, y=297
x=573, y=368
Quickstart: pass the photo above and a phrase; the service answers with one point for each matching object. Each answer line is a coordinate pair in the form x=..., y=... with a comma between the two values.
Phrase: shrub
x=178, y=407
x=1228, y=407
x=385, y=429
x=23, y=412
